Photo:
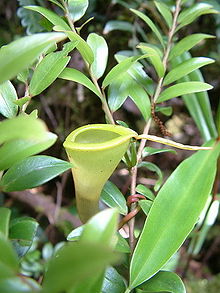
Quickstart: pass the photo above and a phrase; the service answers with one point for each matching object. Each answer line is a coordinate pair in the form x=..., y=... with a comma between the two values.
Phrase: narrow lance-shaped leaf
x=113, y=197
x=181, y=211
x=152, y=167
x=154, y=57
x=7, y=97
x=32, y=172
x=49, y=68
x=190, y=14
x=82, y=46
x=198, y=104
x=77, y=76
x=183, y=88
x=77, y=8
x=21, y=53
x=186, y=44
x=100, y=51
x=185, y=68
x=49, y=15
x=150, y=23
x=165, y=12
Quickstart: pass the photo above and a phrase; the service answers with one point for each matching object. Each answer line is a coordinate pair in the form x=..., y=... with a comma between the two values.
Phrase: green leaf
x=119, y=69
x=75, y=234
x=113, y=198
x=77, y=8
x=77, y=76
x=154, y=57
x=7, y=97
x=163, y=282
x=19, y=149
x=117, y=25
x=165, y=12
x=56, y=2
x=190, y=14
x=198, y=104
x=218, y=119
x=142, y=189
x=186, y=44
x=78, y=262
x=154, y=168
x=164, y=110
x=150, y=23
x=32, y=172
x=49, y=15
x=145, y=206
x=31, y=128
x=183, y=88
x=22, y=232
x=21, y=53
x=22, y=101
x=23, y=76
x=122, y=245
x=185, y=68
x=8, y=257
x=82, y=46
x=101, y=228
x=125, y=86
x=181, y=212
x=19, y=285
x=5, y=214
x=113, y=282
x=49, y=69
x=148, y=151
x=100, y=52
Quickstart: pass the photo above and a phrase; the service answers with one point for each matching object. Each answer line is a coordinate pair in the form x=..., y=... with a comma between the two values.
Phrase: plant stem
x=127, y=290
x=68, y=16
x=105, y=106
x=147, y=126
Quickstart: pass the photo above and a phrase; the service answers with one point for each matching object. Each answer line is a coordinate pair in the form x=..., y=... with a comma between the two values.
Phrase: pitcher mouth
x=98, y=136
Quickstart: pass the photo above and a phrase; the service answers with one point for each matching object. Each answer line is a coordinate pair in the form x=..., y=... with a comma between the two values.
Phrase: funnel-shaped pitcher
x=95, y=151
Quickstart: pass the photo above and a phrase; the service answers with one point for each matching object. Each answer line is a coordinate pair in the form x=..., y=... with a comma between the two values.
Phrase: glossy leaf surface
x=8, y=259
x=18, y=149
x=113, y=198
x=154, y=168
x=119, y=69
x=8, y=96
x=150, y=23
x=183, y=88
x=117, y=25
x=113, y=282
x=187, y=43
x=31, y=128
x=32, y=172
x=190, y=14
x=50, y=15
x=198, y=104
x=21, y=53
x=163, y=282
x=22, y=232
x=154, y=57
x=165, y=12
x=77, y=8
x=100, y=51
x=185, y=68
x=78, y=262
x=142, y=189
x=181, y=211
x=49, y=69
x=77, y=76
x=5, y=214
